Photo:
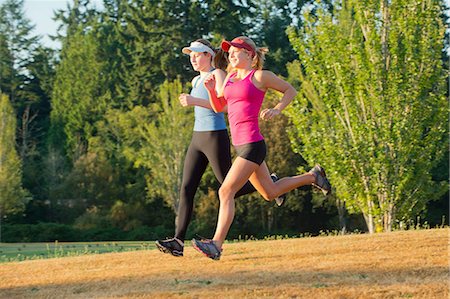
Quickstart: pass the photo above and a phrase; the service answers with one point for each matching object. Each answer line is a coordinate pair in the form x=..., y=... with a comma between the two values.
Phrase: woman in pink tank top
x=242, y=95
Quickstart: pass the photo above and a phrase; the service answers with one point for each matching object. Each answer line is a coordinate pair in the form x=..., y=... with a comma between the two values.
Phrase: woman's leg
x=217, y=149
x=195, y=165
x=264, y=184
x=237, y=176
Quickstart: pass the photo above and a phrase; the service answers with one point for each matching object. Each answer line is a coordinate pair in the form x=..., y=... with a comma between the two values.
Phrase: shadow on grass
x=268, y=282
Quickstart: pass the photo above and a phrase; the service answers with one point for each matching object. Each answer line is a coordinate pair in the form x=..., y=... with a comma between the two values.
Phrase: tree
x=255, y=215
x=77, y=101
x=372, y=105
x=12, y=195
x=164, y=144
x=16, y=43
x=26, y=76
x=22, y=62
x=154, y=139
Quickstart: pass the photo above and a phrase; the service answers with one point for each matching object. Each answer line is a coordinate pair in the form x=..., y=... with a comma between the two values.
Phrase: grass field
x=405, y=264
x=31, y=251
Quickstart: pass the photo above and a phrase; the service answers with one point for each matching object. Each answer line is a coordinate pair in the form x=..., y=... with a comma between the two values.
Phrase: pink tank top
x=244, y=101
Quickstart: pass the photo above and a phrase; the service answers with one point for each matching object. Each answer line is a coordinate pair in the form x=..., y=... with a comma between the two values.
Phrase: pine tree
x=77, y=101
x=16, y=44
x=372, y=107
x=26, y=71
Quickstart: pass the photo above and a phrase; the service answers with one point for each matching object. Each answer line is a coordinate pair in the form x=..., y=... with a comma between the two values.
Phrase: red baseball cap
x=238, y=43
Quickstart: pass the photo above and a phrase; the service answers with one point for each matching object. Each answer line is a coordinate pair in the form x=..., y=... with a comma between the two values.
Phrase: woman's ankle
x=179, y=241
x=218, y=244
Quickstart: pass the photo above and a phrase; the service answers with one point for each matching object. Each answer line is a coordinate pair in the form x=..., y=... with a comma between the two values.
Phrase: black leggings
x=212, y=147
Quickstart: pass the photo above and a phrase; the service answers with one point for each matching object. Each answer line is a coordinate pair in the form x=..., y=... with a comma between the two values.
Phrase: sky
x=40, y=12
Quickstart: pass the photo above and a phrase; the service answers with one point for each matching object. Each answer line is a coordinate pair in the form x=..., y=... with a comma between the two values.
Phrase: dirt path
x=411, y=264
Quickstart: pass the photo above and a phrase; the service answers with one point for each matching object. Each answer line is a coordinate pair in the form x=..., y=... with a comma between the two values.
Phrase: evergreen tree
x=372, y=106
x=12, y=195
x=229, y=19
x=150, y=33
x=77, y=101
x=274, y=17
x=35, y=120
x=17, y=44
x=19, y=48
x=26, y=74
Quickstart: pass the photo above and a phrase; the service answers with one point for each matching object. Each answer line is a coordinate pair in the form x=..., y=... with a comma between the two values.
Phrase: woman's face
x=200, y=61
x=239, y=57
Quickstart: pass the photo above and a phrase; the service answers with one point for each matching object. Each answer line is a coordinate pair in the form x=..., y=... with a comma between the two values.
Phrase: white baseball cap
x=197, y=47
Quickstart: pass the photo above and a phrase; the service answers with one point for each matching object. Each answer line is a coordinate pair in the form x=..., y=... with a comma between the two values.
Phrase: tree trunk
x=369, y=223
x=369, y=217
x=25, y=132
x=388, y=218
x=269, y=220
x=342, y=212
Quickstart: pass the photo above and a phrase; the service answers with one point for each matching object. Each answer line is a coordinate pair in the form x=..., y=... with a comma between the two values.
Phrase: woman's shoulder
x=263, y=74
x=219, y=72
x=195, y=79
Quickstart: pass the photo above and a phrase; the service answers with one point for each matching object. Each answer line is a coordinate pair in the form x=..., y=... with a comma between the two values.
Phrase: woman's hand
x=210, y=83
x=185, y=99
x=268, y=114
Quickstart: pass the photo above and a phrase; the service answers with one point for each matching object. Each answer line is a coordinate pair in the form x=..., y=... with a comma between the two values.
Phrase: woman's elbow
x=292, y=91
x=217, y=109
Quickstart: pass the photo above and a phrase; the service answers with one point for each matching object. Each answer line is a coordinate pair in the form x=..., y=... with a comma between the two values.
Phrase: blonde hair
x=260, y=53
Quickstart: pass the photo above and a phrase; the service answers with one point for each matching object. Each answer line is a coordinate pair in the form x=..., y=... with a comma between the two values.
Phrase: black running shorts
x=255, y=151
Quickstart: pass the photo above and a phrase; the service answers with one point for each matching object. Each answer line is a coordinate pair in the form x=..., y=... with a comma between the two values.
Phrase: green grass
x=13, y=252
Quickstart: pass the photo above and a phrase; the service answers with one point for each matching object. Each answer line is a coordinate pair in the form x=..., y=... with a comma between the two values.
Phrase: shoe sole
x=324, y=175
x=166, y=250
x=324, y=191
x=282, y=202
x=201, y=251
x=275, y=178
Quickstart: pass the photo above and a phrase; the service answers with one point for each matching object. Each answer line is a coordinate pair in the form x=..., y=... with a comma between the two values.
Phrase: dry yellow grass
x=409, y=264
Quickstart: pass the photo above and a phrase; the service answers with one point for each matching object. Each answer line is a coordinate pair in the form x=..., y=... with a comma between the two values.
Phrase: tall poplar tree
x=163, y=144
x=12, y=195
x=372, y=106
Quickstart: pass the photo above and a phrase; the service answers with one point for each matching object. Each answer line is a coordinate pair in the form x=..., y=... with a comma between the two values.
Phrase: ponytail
x=260, y=57
x=220, y=60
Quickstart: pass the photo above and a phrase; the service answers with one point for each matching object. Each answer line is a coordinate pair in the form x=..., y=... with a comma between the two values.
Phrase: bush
x=102, y=234
x=41, y=232
x=50, y=232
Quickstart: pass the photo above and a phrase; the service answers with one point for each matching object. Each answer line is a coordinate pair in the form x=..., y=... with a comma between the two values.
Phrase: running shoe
x=208, y=248
x=321, y=182
x=280, y=199
x=173, y=246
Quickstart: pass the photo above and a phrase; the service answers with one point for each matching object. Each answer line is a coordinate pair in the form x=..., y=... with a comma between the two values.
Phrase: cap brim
x=186, y=50
x=225, y=45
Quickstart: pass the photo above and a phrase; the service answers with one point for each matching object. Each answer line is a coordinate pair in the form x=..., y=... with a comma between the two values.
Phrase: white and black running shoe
x=208, y=248
x=321, y=182
x=173, y=246
x=282, y=198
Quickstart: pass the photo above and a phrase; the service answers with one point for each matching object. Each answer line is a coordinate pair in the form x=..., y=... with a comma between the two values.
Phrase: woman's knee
x=268, y=194
x=226, y=193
